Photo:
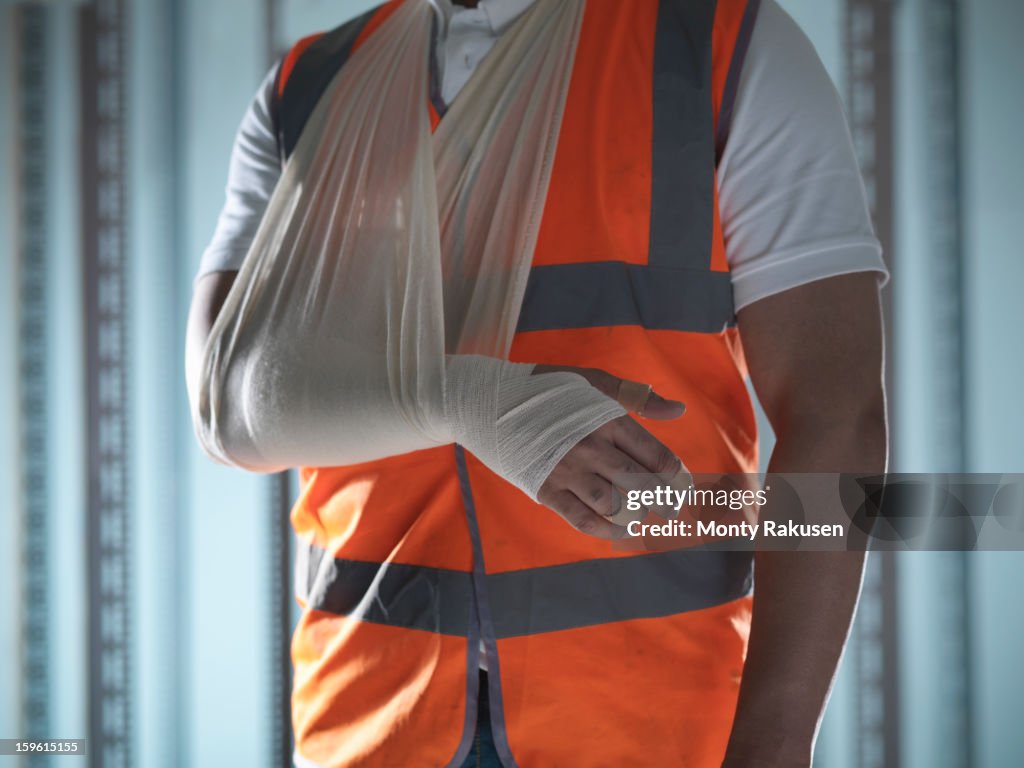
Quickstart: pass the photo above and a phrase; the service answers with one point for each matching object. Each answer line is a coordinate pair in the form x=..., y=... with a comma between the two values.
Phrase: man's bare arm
x=815, y=355
x=208, y=297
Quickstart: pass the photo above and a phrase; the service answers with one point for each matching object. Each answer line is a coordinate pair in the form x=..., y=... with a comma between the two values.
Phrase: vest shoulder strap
x=735, y=26
x=305, y=72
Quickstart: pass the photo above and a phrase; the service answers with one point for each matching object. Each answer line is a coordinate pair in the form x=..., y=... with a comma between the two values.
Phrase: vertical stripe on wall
x=102, y=93
x=279, y=541
x=181, y=414
x=280, y=613
x=869, y=99
x=869, y=61
x=940, y=27
x=942, y=103
x=32, y=222
x=159, y=416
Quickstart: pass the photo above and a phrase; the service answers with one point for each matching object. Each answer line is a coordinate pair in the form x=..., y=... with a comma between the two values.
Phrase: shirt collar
x=500, y=13
x=444, y=10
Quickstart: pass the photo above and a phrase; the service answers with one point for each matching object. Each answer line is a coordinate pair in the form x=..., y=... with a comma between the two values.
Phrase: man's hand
x=584, y=487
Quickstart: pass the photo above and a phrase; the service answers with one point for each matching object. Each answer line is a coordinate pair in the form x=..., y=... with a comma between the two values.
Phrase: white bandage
x=521, y=425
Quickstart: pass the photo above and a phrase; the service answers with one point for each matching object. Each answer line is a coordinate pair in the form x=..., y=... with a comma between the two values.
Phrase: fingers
x=603, y=498
x=580, y=516
x=576, y=475
x=651, y=454
x=619, y=458
x=598, y=455
x=634, y=479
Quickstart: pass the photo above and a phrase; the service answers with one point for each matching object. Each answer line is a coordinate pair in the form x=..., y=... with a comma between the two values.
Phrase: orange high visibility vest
x=596, y=656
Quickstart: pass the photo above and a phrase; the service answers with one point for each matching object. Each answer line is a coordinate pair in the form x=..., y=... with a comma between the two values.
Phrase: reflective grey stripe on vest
x=683, y=143
x=410, y=596
x=524, y=602
x=676, y=290
x=582, y=594
x=613, y=293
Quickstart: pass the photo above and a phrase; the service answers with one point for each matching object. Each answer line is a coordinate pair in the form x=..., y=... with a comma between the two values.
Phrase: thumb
x=634, y=396
x=660, y=408
x=642, y=400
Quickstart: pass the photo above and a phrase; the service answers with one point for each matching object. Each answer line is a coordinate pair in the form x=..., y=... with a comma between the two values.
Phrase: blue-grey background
x=201, y=609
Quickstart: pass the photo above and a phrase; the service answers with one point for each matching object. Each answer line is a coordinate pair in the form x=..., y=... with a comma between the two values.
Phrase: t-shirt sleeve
x=793, y=204
x=252, y=175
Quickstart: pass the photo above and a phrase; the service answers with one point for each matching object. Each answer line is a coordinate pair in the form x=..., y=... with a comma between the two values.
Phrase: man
x=704, y=192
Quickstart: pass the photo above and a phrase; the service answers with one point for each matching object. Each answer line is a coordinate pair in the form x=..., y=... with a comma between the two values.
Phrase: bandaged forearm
x=276, y=413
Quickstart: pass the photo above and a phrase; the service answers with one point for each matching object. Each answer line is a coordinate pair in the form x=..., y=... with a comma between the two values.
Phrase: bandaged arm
x=276, y=411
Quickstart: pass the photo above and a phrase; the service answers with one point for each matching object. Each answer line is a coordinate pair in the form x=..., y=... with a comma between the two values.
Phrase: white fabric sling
x=374, y=313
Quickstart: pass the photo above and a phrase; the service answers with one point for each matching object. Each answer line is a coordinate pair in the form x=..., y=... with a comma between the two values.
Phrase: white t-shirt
x=792, y=201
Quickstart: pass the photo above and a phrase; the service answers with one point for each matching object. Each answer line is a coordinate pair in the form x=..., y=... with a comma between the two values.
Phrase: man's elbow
x=236, y=416
x=220, y=392
x=846, y=433
x=869, y=433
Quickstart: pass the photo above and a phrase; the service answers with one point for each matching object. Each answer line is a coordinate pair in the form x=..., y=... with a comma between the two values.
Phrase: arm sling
x=374, y=312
